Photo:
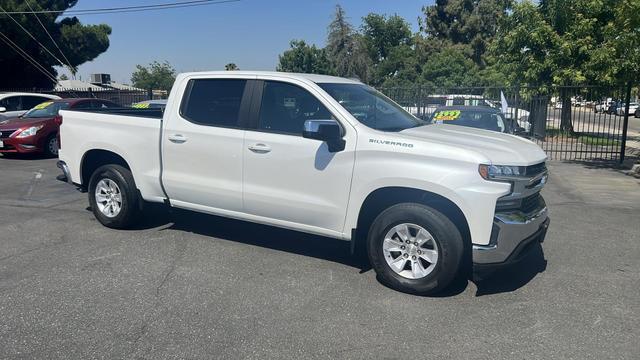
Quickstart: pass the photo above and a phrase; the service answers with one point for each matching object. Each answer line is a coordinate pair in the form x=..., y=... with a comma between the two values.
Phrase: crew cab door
x=291, y=180
x=202, y=145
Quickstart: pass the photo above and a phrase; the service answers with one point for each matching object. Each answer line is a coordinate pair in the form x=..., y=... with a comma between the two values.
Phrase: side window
x=285, y=108
x=213, y=102
x=83, y=105
x=11, y=103
x=28, y=102
x=102, y=104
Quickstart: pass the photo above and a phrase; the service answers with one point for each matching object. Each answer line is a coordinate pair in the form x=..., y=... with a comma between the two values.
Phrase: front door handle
x=260, y=148
x=177, y=138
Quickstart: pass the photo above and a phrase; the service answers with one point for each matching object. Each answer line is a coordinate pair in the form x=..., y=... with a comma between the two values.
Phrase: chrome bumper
x=512, y=232
x=65, y=171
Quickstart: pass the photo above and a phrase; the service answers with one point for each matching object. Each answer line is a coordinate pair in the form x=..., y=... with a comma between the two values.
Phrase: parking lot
x=196, y=286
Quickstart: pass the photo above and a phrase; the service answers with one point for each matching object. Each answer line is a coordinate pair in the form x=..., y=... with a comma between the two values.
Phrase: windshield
x=46, y=109
x=371, y=108
x=476, y=119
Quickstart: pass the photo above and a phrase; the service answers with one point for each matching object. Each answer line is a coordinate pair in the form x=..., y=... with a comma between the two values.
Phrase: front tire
x=415, y=249
x=113, y=196
x=51, y=146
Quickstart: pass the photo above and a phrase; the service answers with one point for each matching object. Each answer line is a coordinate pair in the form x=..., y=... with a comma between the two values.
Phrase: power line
x=31, y=36
x=163, y=6
x=71, y=68
x=27, y=57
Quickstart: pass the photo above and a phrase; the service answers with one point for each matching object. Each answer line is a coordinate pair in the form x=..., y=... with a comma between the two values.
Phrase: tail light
x=58, y=121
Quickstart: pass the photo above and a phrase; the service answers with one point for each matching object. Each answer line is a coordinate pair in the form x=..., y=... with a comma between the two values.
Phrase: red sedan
x=37, y=130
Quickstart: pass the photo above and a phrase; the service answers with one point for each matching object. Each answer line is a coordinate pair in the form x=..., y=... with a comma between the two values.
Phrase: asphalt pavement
x=196, y=286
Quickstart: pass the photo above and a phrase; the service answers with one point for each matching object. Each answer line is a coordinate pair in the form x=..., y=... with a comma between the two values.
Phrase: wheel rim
x=53, y=146
x=410, y=251
x=108, y=198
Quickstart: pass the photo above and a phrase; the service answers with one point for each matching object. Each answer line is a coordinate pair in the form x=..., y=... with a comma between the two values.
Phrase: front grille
x=533, y=170
x=530, y=203
x=5, y=133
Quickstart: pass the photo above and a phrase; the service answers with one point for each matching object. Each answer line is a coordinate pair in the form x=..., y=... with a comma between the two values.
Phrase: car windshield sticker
x=141, y=106
x=43, y=105
x=446, y=115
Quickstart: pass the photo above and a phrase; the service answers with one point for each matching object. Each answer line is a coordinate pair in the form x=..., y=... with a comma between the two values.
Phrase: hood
x=14, y=123
x=498, y=148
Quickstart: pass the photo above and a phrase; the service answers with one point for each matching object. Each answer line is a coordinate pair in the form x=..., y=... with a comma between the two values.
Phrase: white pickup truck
x=323, y=155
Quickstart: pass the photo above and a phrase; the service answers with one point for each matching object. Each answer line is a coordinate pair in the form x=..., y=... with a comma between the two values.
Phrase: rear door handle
x=260, y=148
x=177, y=138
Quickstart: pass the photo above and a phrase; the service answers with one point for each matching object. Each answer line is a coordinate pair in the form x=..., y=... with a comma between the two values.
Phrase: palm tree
x=231, y=66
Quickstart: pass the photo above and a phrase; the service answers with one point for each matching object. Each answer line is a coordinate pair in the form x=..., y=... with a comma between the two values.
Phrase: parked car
x=318, y=154
x=151, y=104
x=479, y=117
x=613, y=107
x=632, y=108
x=13, y=104
x=558, y=105
x=36, y=131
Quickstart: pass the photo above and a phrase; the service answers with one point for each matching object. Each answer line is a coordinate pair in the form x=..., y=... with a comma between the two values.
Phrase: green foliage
x=303, y=58
x=450, y=68
x=470, y=24
x=231, y=67
x=63, y=77
x=79, y=43
x=155, y=76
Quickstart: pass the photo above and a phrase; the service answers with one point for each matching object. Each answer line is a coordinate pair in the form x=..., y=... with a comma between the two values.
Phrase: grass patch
x=581, y=137
x=594, y=140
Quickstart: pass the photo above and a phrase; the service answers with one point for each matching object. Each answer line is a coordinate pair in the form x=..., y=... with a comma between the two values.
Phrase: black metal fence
x=122, y=97
x=568, y=122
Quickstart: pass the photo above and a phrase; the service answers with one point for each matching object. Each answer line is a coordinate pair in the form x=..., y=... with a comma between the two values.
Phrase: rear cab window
x=214, y=102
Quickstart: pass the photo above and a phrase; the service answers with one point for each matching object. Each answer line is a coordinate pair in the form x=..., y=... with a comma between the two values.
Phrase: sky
x=249, y=33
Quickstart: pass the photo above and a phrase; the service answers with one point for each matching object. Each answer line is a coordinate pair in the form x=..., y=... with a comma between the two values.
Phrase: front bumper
x=514, y=234
x=21, y=145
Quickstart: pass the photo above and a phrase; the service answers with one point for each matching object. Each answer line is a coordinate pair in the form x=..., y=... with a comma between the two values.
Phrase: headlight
x=489, y=172
x=29, y=131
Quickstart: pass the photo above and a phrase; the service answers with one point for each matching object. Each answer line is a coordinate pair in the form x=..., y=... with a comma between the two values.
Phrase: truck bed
x=133, y=134
x=146, y=113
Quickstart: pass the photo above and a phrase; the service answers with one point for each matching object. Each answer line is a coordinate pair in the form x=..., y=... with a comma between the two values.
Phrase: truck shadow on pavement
x=156, y=216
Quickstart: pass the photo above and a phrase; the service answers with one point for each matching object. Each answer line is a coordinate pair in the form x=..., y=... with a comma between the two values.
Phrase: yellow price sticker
x=140, y=106
x=43, y=105
x=447, y=115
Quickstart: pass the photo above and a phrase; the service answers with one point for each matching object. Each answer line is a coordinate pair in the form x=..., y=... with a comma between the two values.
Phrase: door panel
x=202, y=145
x=291, y=178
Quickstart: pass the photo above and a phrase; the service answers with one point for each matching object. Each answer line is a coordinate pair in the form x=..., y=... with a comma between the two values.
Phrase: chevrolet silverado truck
x=321, y=155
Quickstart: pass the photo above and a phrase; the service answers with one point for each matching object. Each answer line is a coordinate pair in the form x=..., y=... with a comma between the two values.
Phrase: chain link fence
x=124, y=97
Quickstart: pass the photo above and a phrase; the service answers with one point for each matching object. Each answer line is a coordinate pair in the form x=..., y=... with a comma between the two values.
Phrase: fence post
x=149, y=94
x=625, y=125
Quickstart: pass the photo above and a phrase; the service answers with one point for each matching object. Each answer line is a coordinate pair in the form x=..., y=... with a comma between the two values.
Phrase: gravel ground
x=188, y=285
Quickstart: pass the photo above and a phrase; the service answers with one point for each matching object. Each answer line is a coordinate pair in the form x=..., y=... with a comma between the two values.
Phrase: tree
x=345, y=48
x=231, y=67
x=303, y=58
x=450, y=68
x=78, y=43
x=388, y=42
x=470, y=23
x=155, y=76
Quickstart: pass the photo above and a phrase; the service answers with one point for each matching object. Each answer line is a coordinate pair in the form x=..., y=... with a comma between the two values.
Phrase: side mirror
x=2, y=109
x=328, y=131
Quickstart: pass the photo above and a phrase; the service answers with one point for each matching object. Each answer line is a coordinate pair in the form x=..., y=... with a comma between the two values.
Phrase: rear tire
x=425, y=268
x=114, y=197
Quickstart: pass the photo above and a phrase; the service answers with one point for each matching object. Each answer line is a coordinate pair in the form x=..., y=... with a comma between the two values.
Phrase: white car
x=323, y=155
x=633, y=107
x=14, y=104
